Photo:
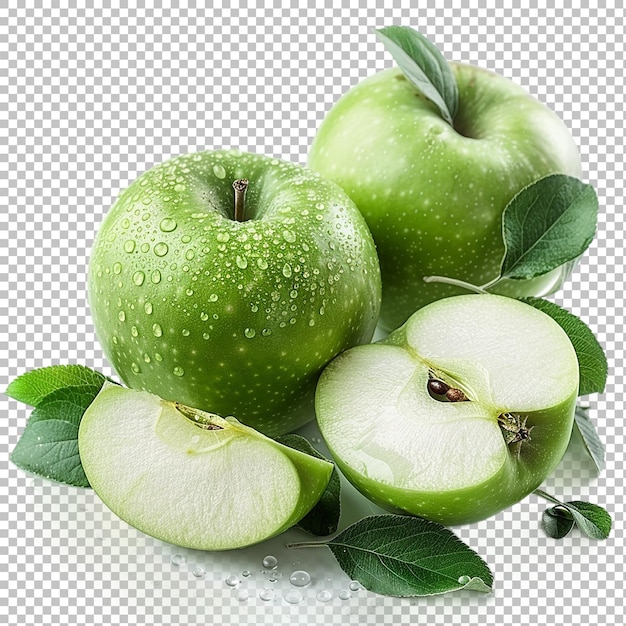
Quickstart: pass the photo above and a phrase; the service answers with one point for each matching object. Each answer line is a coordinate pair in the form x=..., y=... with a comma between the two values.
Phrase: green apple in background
x=458, y=414
x=433, y=189
x=233, y=300
x=190, y=478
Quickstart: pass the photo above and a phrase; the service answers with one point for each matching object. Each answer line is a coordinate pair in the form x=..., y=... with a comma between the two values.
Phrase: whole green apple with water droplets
x=236, y=315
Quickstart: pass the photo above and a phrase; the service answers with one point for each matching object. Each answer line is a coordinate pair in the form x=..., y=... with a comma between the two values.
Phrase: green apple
x=458, y=414
x=190, y=478
x=433, y=193
x=233, y=310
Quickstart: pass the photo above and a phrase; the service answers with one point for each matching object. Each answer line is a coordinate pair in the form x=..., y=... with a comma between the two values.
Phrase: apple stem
x=455, y=282
x=240, y=186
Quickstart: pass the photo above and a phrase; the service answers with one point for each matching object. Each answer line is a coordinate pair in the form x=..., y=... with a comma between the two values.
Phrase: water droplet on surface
x=179, y=188
x=204, y=316
x=294, y=596
x=324, y=595
x=189, y=292
x=300, y=578
x=145, y=247
x=129, y=246
x=185, y=238
x=168, y=224
x=219, y=171
x=262, y=263
x=121, y=316
x=287, y=270
x=289, y=236
x=178, y=560
x=136, y=369
x=213, y=297
x=266, y=595
x=222, y=237
x=243, y=595
x=157, y=331
x=344, y=594
x=242, y=262
x=463, y=580
x=245, y=573
x=249, y=333
x=232, y=580
x=147, y=307
x=190, y=254
x=355, y=585
x=117, y=268
x=270, y=562
x=199, y=571
x=156, y=277
x=178, y=371
x=134, y=331
x=125, y=223
x=266, y=332
x=161, y=249
x=138, y=278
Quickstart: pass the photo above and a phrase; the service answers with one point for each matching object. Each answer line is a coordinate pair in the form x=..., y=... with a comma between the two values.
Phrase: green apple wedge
x=191, y=478
x=433, y=193
x=227, y=280
x=460, y=413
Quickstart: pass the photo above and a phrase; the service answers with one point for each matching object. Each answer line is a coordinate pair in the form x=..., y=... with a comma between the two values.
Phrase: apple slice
x=192, y=478
x=512, y=374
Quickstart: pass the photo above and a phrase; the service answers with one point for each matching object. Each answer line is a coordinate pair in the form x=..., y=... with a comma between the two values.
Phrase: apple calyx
x=240, y=186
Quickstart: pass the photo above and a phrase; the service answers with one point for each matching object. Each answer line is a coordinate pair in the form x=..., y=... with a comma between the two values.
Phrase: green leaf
x=48, y=446
x=405, y=556
x=546, y=224
x=32, y=387
x=323, y=519
x=589, y=436
x=557, y=523
x=424, y=65
x=591, y=519
x=592, y=361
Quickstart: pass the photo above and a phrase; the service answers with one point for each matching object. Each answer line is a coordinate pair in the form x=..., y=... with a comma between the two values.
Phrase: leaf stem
x=454, y=282
x=547, y=496
x=306, y=544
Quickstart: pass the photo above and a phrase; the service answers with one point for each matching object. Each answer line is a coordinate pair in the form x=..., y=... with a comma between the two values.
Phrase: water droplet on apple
x=242, y=262
x=178, y=371
x=134, y=332
x=168, y=224
x=121, y=316
x=189, y=292
x=156, y=277
x=136, y=369
x=146, y=358
x=249, y=333
x=157, y=331
x=179, y=188
x=270, y=562
x=129, y=246
x=158, y=357
x=324, y=595
x=161, y=249
x=222, y=237
x=294, y=597
x=185, y=238
x=204, y=316
x=185, y=332
x=125, y=223
x=190, y=254
x=138, y=278
x=300, y=578
x=178, y=560
x=287, y=272
x=147, y=307
x=266, y=332
x=205, y=336
x=145, y=247
x=289, y=236
x=219, y=171
x=213, y=297
x=262, y=263
x=117, y=268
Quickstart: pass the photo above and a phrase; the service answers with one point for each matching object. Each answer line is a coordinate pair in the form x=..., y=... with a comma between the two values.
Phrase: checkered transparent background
x=92, y=98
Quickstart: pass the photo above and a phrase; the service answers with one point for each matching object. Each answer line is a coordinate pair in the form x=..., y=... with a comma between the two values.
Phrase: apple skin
x=433, y=195
x=233, y=317
x=520, y=472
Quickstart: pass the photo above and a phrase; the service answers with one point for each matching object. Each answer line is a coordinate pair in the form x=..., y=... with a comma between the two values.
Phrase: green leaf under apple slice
x=191, y=478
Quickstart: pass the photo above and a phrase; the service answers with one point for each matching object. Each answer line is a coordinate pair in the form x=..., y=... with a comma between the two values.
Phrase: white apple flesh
x=453, y=462
x=216, y=488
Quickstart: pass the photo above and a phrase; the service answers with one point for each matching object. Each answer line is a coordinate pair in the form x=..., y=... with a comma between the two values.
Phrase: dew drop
x=300, y=578
x=344, y=594
x=147, y=307
x=245, y=573
x=161, y=249
x=324, y=595
x=129, y=246
x=266, y=595
x=219, y=171
x=232, y=580
x=179, y=188
x=168, y=224
x=294, y=597
x=138, y=278
x=157, y=331
x=262, y=263
x=178, y=371
x=199, y=571
x=190, y=254
x=243, y=595
x=178, y=560
x=156, y=277
x=146, y=358
x=463, y=580
x=289, y=236
x=222, y=237
x=355, y=585
x=204, y=316
x=145, y=247
x=136, y=369
x=242, y=262
x=185, y=332
x=117, y=268
x=185, y=238
x=266, y=332
x=189, y=292
x=158, y=357
x=270, y=562
x=287, y=270
x=134, y=332
x=213, y=297
x=125, y=223
x=121, y=316
x=249, y=333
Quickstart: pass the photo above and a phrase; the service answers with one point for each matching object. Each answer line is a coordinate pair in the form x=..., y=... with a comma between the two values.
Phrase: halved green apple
x=460, y=413
x=191, y=478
